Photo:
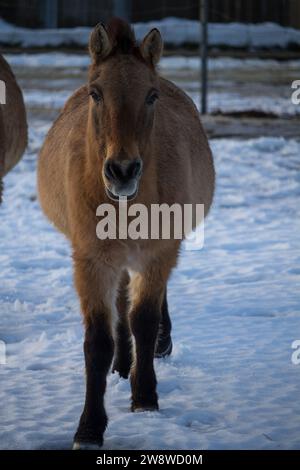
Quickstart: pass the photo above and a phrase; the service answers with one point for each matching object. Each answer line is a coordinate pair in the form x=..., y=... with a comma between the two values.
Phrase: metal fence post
x=203, y=53
x=122, y=9
x=51, y=11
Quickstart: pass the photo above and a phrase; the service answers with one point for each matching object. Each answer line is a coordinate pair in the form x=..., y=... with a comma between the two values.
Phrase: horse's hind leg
x=123, y=354
x=164, y=344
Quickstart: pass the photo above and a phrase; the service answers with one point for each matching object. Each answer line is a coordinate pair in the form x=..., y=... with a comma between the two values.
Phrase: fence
x=70, y=13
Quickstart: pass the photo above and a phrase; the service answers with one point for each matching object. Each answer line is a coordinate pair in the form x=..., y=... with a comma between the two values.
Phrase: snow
x=185, y=71
x=169, y=63
x=175, y=31
x=235, y=305
x=231, y=102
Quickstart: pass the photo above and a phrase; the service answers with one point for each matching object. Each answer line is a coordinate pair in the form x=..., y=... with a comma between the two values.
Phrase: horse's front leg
x=147, y=295
x=123, y=347
x=95, y=286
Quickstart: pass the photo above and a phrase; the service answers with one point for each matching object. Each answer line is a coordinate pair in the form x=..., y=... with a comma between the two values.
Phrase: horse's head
x=123, y=88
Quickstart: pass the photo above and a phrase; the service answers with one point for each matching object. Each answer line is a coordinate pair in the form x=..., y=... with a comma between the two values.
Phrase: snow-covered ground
x=175, y=32
x=235, y=305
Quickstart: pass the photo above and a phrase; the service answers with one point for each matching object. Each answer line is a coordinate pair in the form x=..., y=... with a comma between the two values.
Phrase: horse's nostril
x=138, y=167
x=107, y=171
x=134, y=169
x=112, y=171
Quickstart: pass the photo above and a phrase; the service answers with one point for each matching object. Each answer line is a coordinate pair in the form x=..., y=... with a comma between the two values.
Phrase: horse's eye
x=97, y=97
x=151, y=98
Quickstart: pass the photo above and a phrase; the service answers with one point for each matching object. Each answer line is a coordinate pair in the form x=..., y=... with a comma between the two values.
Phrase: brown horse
x=13, y=124
x=128, y=133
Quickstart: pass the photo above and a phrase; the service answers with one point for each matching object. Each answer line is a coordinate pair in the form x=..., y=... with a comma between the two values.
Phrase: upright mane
x=122, y=36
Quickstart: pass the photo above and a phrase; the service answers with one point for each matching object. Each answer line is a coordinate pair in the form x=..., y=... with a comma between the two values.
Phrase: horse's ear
x=152, y=47
x=100, y=44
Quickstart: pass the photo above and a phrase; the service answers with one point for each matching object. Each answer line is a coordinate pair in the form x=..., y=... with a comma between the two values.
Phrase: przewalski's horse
x=131, y=133
x=13, y=124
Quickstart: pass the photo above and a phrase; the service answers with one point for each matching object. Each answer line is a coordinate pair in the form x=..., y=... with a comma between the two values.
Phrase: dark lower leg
x=123, y=355
x=98, y=351
x=144, y=322
x=164, y=341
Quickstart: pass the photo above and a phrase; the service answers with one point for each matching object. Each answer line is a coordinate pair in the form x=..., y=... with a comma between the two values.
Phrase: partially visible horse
x=13, y=123
x=127, y=133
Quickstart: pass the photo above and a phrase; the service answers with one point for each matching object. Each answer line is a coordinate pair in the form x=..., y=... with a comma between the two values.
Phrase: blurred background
x=71, y=13
x=236, y=58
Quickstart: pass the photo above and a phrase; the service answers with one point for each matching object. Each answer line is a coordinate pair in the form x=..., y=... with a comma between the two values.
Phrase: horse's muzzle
x=122, y=177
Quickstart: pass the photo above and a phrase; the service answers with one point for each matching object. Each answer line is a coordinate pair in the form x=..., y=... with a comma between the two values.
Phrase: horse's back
x=13, y=125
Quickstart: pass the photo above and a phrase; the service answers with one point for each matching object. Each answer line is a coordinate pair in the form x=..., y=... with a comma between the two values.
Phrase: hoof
x=149, y=405
x=141, y=409
x=123, y=372
x=89, y=436
x=164, y=347
x=122, y=365
x=85, y=446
